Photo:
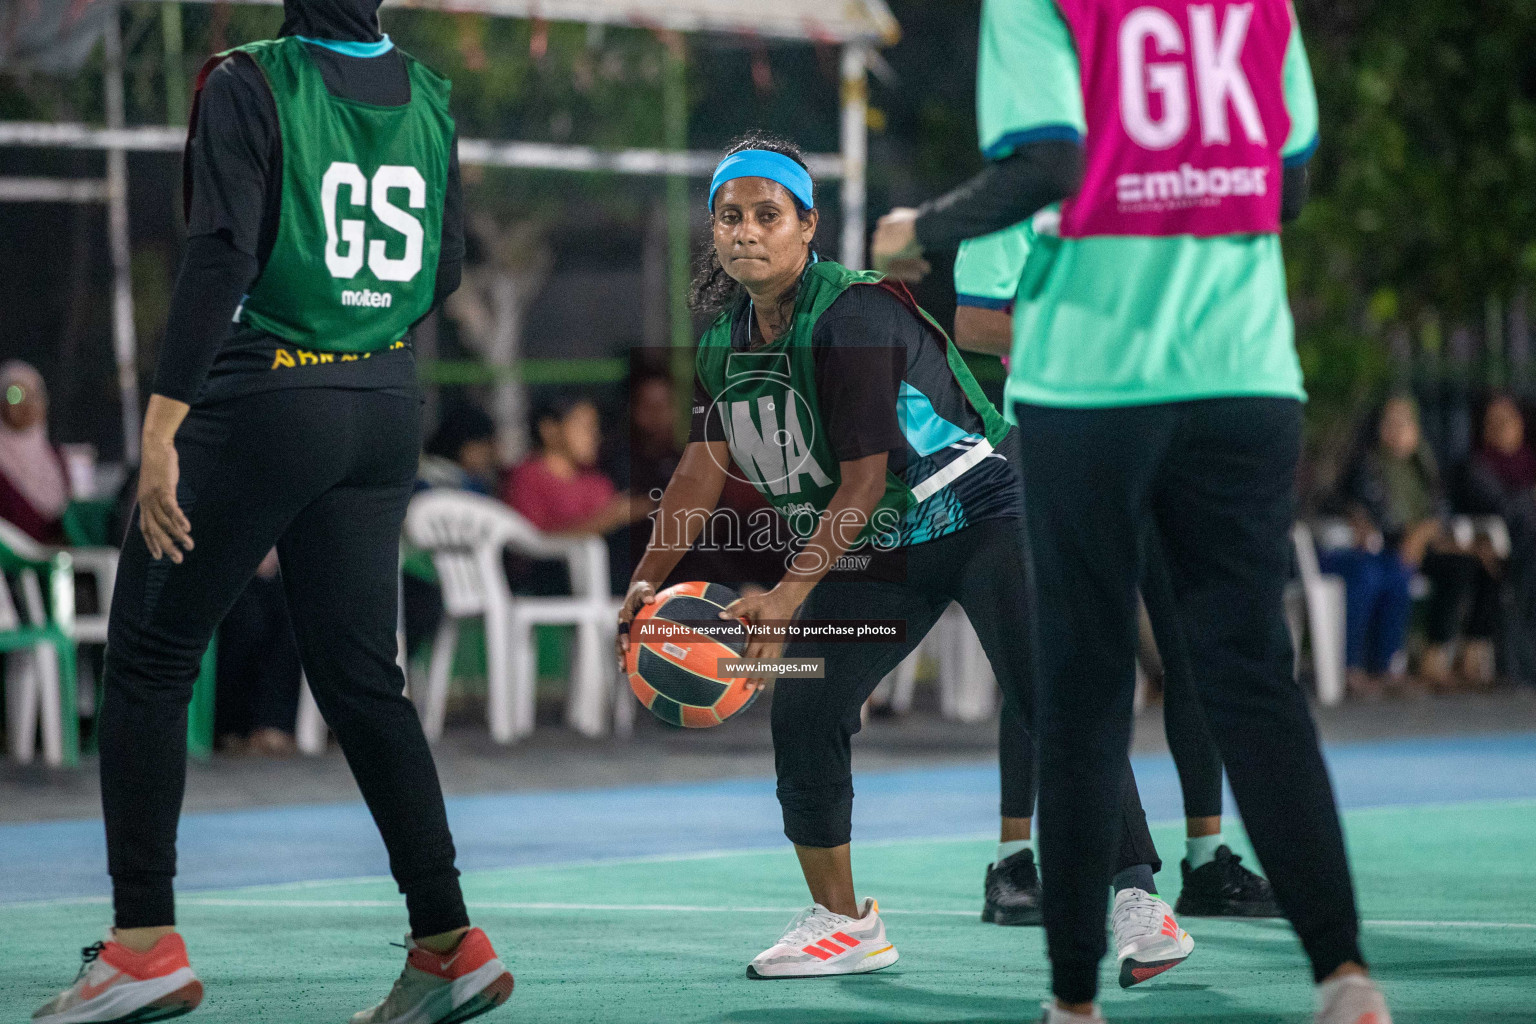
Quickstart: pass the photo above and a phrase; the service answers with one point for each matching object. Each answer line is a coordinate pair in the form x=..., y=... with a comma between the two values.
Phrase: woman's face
x=22, y=404
x=1503, y=427
x=1399, y=430
x=759, y=236
x=577, y=436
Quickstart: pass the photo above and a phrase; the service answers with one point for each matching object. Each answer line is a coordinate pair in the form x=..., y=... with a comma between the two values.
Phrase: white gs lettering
x=337, y=175
x=407, y=266
x=353, y=232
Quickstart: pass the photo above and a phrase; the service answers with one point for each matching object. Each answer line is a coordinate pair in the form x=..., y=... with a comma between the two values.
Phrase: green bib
x=354, y=263
x=766, y=402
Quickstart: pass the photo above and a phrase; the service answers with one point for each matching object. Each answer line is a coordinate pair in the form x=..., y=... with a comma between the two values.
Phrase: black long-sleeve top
x=234, y=177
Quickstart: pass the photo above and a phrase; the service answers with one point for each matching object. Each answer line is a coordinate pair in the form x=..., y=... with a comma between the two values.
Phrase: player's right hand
x=639, y=595
x=166, y=529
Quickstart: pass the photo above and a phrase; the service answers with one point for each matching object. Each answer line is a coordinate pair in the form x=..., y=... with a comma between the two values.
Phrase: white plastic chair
x=33, y=703
x=1322, y=596
x=466, y=535
x=967, y=686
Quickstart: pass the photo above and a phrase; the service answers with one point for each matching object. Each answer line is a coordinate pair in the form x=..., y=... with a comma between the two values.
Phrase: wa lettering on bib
x=1186, y=116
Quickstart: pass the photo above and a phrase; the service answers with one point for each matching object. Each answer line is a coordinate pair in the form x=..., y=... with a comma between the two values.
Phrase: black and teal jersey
x=883, y=381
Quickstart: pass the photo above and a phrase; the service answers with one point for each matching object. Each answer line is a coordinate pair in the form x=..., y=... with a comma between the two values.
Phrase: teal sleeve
x=1300, y=100
x=987, y=269
x=1028, y=87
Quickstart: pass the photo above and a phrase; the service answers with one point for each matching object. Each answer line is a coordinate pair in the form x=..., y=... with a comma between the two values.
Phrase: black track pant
x=325, y=474
x=1194, y=751
x=1195, y=754
x=986, y=569
x=1216, y=477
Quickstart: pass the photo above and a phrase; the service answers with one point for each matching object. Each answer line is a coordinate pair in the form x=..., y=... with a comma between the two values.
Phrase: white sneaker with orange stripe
x=819, y=943
x=1148, y=941
x=117, y=984
x=444, y=988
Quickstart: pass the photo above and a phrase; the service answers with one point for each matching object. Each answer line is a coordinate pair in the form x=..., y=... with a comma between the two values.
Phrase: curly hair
x=713, y=289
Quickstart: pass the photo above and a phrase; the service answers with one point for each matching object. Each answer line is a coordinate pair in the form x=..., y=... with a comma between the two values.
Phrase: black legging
x=325, y=474
x=986, y=569
x=1195, y=755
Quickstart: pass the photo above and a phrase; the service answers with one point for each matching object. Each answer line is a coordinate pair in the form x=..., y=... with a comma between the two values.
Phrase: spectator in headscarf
x=34, y=489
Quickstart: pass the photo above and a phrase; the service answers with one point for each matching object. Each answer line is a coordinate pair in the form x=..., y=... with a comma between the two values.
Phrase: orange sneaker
x=117, y=986
x=444, y=988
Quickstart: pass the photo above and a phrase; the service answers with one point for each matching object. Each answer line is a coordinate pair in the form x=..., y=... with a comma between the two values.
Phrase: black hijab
x=343, y=20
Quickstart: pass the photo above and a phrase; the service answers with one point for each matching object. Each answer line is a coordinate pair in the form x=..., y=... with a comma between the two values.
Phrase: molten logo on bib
x=1186, y=116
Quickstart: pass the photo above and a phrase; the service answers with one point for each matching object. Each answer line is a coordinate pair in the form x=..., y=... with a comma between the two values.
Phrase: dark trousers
x=1195, y=755
x=986, y=569
x=1463, y=597
x=1216, y=478
x=258, y=677
x=325, y=474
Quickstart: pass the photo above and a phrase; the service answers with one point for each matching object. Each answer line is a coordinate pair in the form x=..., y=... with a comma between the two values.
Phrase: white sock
x=1056, y=1015
x=1011, y=847
x=1201, y=850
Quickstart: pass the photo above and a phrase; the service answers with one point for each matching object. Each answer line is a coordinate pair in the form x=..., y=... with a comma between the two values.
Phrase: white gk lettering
x=1220, y=84
x=344, y=238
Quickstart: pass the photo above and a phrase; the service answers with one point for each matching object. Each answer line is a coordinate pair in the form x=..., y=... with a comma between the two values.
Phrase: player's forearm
x=862, y=487
x=691, y=495
x=1003, y=194
x=162, y=419
x=214, y=277
x=988, y=331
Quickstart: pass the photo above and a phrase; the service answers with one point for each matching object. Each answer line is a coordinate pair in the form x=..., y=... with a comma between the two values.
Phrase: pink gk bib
x=1186, y=116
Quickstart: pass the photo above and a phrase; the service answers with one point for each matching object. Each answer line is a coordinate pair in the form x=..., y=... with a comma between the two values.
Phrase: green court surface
x=1447, y=894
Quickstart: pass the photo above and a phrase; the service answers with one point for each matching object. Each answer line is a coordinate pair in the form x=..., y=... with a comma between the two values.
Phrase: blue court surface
x=49, y=860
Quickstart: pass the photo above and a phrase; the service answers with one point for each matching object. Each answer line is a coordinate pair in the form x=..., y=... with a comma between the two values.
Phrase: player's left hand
x=775, y=607
x=896, y=239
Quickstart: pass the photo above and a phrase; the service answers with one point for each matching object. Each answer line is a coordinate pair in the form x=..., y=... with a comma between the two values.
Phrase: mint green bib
x=354, y=263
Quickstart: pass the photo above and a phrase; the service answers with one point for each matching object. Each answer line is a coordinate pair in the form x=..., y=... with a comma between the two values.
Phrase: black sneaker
x=1013, y=891
x=1224, y=888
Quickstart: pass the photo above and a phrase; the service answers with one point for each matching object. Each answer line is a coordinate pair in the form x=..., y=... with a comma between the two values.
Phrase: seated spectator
x=1502, y=471
x=1397, y=508
x=557, y=488
x=461, y=454
x=1500, y=479
x=256, y=700
x=34, y=489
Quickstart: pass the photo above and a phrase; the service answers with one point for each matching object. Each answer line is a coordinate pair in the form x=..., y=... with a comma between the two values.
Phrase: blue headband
x=763, y=163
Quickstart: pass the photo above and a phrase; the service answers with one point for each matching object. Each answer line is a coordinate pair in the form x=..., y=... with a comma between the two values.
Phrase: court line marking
x=696, y=855
x=686, y=908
